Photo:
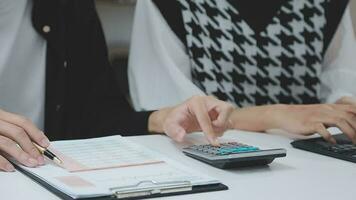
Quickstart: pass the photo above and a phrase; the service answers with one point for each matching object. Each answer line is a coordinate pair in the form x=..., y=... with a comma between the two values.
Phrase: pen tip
x=58, y=161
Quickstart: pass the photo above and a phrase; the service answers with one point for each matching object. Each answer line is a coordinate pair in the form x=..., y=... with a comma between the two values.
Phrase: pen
x=48, y=154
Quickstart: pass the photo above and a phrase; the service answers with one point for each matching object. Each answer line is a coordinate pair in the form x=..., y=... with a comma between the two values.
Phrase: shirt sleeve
x=159, y=67
x=339, y=67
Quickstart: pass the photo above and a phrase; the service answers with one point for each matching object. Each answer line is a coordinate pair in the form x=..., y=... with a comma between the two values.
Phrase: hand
x=300, y=119
x=200, y=113
x=16, y=134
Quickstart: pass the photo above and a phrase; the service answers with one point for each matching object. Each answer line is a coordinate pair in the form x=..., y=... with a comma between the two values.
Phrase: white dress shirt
x=159, y=66
x=22, y=62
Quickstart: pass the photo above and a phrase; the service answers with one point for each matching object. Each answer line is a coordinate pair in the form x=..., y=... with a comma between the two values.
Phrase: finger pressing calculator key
x=233, y=154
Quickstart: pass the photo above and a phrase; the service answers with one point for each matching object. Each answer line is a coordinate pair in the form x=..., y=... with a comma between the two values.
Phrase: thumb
x=176, y=132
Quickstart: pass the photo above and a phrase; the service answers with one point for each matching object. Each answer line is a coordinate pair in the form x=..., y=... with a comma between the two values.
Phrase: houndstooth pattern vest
x=280, y=64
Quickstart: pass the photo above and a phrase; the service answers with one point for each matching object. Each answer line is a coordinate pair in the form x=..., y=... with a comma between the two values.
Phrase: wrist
x=275, y=114
x=257, y=118
x=156, y=120
x=249, y=119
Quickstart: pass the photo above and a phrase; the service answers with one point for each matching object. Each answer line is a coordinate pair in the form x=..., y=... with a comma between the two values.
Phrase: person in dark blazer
x=56, y=83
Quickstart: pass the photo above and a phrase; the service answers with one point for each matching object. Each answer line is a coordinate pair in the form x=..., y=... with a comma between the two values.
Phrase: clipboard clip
x=151, y=187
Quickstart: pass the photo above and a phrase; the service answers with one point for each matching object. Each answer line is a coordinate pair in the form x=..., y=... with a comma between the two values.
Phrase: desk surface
x=301, y=175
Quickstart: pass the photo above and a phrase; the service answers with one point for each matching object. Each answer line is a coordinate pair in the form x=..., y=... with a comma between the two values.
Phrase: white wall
x=116, y=17
x=353, y=11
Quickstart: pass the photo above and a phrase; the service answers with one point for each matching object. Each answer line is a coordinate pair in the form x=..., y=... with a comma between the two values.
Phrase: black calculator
x=233, y=155
x=344, y=149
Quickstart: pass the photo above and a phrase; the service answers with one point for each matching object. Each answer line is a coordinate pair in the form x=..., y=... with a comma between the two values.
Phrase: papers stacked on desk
x=114, y=166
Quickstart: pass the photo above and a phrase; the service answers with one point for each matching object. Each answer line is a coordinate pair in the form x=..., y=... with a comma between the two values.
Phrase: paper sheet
x=101, y=153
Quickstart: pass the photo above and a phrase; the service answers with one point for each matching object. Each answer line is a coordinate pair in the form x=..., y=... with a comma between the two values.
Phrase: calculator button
x=243, y=149
x=224, y=149
x=254, y=149
x=211, y=151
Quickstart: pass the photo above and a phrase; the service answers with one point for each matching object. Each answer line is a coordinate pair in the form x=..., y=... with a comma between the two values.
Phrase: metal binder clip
x=150, y=187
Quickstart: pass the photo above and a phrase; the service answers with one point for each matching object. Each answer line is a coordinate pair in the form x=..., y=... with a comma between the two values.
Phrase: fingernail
x=9, y=168
x=45, y=142
x=215, y=142
x=40, y=160
x=32, y=162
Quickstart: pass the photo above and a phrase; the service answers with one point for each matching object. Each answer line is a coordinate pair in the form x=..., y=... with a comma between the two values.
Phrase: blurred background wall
x=116, y=17
x=353, y=11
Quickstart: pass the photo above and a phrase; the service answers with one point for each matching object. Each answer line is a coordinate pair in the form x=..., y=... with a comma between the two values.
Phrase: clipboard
x=129, y=193
x=116, y=168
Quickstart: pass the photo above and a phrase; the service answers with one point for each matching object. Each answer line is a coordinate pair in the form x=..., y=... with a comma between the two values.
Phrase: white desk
x=301, y=175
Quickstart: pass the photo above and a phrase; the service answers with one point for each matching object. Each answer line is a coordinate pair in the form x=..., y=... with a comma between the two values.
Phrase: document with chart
x=116, y=168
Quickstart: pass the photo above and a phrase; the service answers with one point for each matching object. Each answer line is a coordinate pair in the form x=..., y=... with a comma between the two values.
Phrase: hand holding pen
x=16, y=136
x=48, y=154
